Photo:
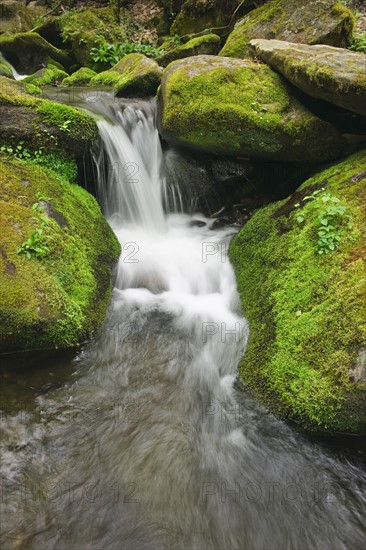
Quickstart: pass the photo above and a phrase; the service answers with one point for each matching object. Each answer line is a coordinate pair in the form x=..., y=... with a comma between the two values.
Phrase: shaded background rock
x=310, y=22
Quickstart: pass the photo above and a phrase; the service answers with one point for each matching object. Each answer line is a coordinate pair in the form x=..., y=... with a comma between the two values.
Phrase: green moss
x=139, y=76
x=306, y=311
x=51, y=75
x=72, y=122
x=293, y=21
x=79, y=78
x=32, y=89
x=241, y=108
x=106, y=78
x=207, y=44
x=60, y=299
x=43, y=123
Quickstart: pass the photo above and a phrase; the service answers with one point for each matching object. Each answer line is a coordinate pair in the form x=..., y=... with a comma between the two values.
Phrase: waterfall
x=134, y=187
x=16, y=75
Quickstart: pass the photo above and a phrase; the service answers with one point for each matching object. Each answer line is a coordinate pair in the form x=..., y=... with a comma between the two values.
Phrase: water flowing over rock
x=309, y=22
x=238, y=107
x=332, y=74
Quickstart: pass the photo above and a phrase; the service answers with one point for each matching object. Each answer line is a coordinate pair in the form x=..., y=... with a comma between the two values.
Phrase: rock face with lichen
x=333, y=74
x=43, y=124
x=310, y=22
x=238, y=107
x=28, y=52
x=56, y=255
x=207, y=44
x=301, y=274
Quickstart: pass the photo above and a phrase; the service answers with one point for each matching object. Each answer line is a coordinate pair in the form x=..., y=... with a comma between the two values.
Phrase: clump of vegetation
x=110, y=54
x=332, y=219
x=358, y=42
x=37, y=245
x=64, y=166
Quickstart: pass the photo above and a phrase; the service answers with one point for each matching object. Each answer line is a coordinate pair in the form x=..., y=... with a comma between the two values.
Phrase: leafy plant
x=110, y=54
x=331, y=220
x=36, y=245
x=106, y=53
x=65, y=125
x=358, y=43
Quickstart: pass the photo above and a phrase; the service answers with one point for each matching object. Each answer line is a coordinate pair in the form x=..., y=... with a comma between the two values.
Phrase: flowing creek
x=145, y=440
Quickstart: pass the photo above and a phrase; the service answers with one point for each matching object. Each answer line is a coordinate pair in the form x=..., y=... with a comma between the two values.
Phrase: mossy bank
x=301, y=274
x=57, y=254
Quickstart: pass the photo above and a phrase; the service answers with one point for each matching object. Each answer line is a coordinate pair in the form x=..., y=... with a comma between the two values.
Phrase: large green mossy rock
x=28, y=52
x=140, y=76
x=135, y=75
x=57, y=295
x=306, y=310
x=207, y=44
x=43, y=124
x=310, y=22
x=333, y=74
x=238, y=107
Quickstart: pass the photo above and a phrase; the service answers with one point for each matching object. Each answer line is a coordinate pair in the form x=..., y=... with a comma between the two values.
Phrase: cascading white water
x=16, y=75
x=149, y=446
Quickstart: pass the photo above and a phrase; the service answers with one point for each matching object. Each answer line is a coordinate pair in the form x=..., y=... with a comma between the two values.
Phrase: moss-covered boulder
x=82, y=77
x=135, y=75
x=199, y=15
x=5, y=69
x=57, y=253
x=140, y=76
x=301, y=274
x=43, y=124
x=28, y=52
x=48, y=76
x=311, y=22
x=239, y=107
x=206, y=44
x=333, y=74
